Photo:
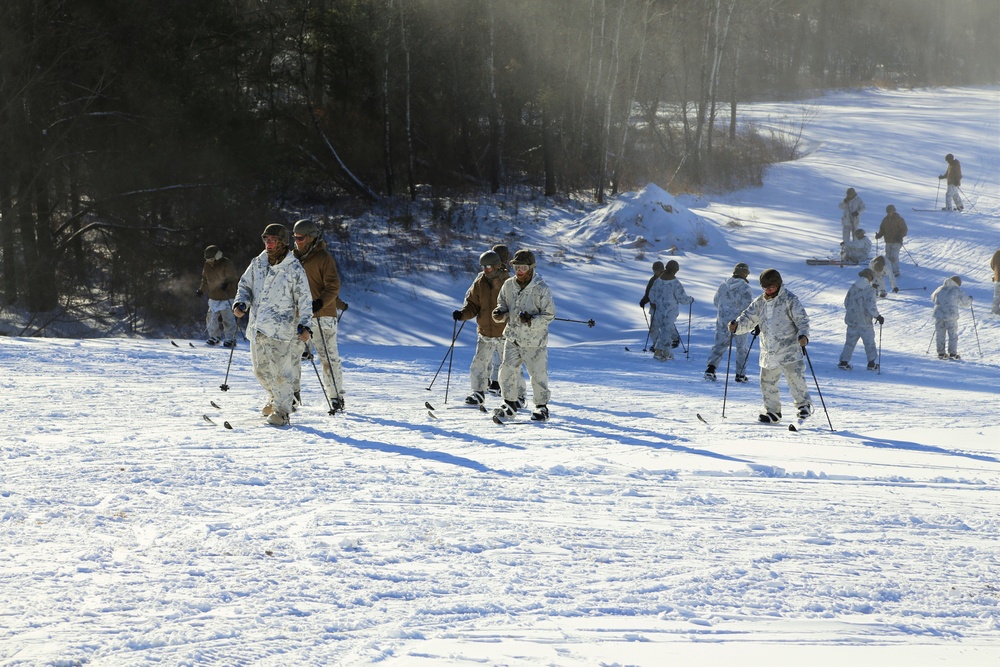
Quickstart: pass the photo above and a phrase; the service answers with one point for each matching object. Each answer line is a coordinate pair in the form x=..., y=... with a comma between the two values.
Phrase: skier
x=218, y=280
x=953, y=177
x=657, y=270
x=504, y=253
x=275, y=290
x=995, y=265
x=948, y=300
x=893, y=229
x=525, y=304
x=480, y=300
x=861, y=310
x=850, y=219
x=666, y=295
x=731, y=299
x=883, y=277
x=324, y=288
x=784, y=331
x=857, y=250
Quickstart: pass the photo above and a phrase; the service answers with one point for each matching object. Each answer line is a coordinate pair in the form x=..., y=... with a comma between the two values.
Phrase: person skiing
x=948, y=301
x=995, y=265
x=883, y=277
x=953, y=177
x=324, y=288
x=858, y=250
x=504, y=253
x=852, y=207
x=893, y=230
x=784, y=331
x=731, y=299
x=657, y=270
x=480, y=301
x=860, y=311
x=526, y=307
x=218, y=280
x=667, y=295
x=275, y=291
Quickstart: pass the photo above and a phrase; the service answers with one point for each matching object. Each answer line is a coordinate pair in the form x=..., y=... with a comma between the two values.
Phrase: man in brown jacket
x=995, y=265
x=324, y=284
x=953, y=177
x=480, y=300
x=219, y=280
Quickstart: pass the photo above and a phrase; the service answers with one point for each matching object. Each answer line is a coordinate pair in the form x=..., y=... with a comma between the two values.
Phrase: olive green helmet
x=306, y=227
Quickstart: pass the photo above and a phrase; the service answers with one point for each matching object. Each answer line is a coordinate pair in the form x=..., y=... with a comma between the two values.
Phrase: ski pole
x=937, y=194
x=225, y=383
x=878, y=367
x=976, y=329
x=822, y=402
x=446, y=354
x=322, y=386
x=909, y=255
x=326, y=353
x=451, y=358
x=686, y=356
x=645, y=346
x=725, y=388
x=589, y=323
x=972, y=207
x=753, y=337
x=931, y=341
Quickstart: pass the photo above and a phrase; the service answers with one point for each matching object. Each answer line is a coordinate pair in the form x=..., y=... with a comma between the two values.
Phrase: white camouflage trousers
x=325, y=339
x=275, y=363
x=484, y=369
x=721, y=347
x=867, y=336
x=949, y=329
x=795, y=376
x=220, y=321
x=536, y=359
x=892, y=257
x=951, y=197
x=996, y=299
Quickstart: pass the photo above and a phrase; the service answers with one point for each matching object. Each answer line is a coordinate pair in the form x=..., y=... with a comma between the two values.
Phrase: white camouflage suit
x=850, y=219
x=781, y=320
x=525, y=343
x=861, y=310
x=949, y=300
x=732, y=298
x=667, y=295
x=279, y=301
x=883, y=276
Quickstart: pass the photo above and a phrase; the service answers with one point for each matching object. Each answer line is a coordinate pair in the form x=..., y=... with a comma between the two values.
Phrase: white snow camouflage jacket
x=278, y=297
x=860, y=304
x=849, y=208
x=667, y=295
x=781, y=320
x=858, y=250
x=948, y=300
x=732, y=298
x=535, y=299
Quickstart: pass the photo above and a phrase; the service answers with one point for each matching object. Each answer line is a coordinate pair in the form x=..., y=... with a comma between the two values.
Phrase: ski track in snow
x=623, y=531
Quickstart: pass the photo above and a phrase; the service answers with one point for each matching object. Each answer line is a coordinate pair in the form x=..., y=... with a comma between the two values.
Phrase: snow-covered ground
x=622, y=532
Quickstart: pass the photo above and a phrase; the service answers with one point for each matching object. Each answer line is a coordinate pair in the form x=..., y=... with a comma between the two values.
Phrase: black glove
x=895, y=290
x=499, y=315
x=198, y=293
x=854, y=215
x=880, y=319
x=755, y=331
x=941, y=177
x=882, y=294
x=643, y=301
x=878, y=235
x=345, y=306
x=240, y=306
x=456, y=315
x=302, y=328
x=525, y=318
x=317, y=305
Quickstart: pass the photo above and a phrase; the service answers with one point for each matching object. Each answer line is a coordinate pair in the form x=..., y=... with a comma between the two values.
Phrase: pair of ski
x=431, y=410
x=797, y=426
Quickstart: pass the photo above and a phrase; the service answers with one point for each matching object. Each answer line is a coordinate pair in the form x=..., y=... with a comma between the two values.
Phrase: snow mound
x=650, y=218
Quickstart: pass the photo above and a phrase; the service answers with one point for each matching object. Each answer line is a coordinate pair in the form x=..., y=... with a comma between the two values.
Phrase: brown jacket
x=995, y=265
x=480, y=301
x=219, y=279
x=324, y=281
x=893, y=228
x=953, y=174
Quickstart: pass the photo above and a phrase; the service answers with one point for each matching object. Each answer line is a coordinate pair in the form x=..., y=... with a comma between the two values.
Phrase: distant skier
x=861, y=310
x=850, y=219
x=859, y=249
x=667, y=295
x=784, y=331
x=218, y=280
x=657, y=270
x=995, y=265
x=480, y=300
x=275, y=291
x=525, y=304
x=953, y=177
x=731, y=299
x=893, y=230
x=883, y=277
x=948, y=300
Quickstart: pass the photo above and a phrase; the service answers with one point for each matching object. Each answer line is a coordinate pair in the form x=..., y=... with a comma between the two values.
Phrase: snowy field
x=623, y=532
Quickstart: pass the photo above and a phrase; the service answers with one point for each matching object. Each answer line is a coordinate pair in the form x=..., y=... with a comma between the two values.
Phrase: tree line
x=131, y=130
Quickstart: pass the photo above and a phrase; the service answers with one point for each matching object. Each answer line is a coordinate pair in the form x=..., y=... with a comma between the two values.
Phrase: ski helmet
x=213, y=252
x=958, y=280
x=657, y=266
x=489, y=258
x=890, y=209
x=859, y=233
x=879, y=263
x=741, y=270
x=851, y=192
x=770, y=278
x=867, y=273
x=524, y=257
x=504, y=253
x=280, y=231
x=671, y=269
x=949, y=157
x=306, y=227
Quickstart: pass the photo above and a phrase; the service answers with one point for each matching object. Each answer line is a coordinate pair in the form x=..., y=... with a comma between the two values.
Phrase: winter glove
x=941, y=177
x=317, y=305
x=895, y=290
x=803, y=340
x=343, y=305
x=880, y=319
x=878, y=235
x=499, y=315
x=854, y=214
x=305, y=333
x=756, y=331
x=732, y=326
x=882, y=294
x=525, y=318
x=643, y=301
x=456, y=315
x=198, y=293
